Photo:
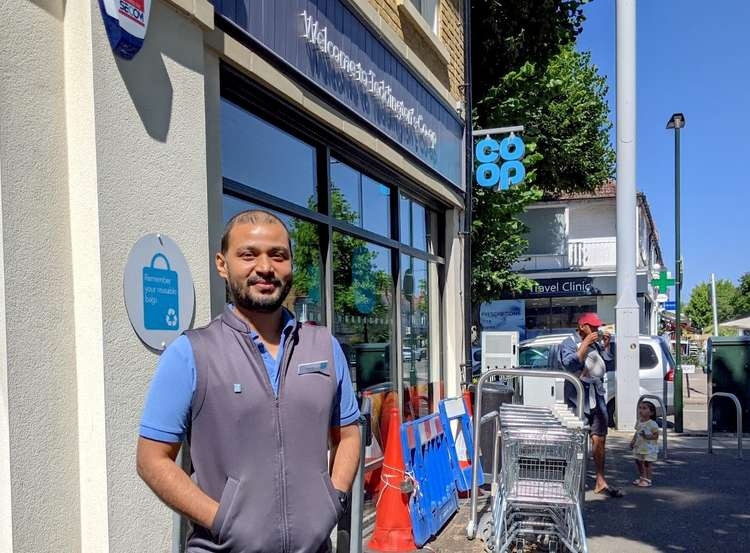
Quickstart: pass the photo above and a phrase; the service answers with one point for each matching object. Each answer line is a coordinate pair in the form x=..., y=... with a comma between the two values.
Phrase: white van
x=657, y=369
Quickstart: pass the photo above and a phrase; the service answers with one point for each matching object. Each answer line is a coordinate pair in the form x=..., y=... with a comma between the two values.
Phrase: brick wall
x=450, y=33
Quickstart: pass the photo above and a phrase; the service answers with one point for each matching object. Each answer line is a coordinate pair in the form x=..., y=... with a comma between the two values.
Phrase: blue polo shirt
x=166, y=413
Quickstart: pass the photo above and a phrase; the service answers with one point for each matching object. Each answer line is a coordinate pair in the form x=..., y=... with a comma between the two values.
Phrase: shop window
x=360, y=200
x=262, y=156
x=419, y=379
x=428, y=9
x=546, y=230
x=305, y=298
x=416, y=223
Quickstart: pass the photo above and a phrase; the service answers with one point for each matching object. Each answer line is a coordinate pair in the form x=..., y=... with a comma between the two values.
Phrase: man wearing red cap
x=584, y=354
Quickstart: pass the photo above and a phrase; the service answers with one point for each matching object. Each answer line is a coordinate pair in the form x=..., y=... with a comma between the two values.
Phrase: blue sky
x=694, y=58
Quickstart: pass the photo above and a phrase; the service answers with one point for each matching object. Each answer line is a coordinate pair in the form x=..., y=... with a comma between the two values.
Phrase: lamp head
x=677, y=121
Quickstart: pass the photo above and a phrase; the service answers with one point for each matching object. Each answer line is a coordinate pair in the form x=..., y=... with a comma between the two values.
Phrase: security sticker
x=316, y=367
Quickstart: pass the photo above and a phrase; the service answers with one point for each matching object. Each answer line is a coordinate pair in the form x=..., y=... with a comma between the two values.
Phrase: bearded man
x=259, y=397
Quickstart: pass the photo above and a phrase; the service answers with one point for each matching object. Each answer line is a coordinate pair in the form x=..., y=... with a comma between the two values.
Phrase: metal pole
x=678, y=405
x=713, y=305
x=469, y=183
x=358, y=487
x=626, y=310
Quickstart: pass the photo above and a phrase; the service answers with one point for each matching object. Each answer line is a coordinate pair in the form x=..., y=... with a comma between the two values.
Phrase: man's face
x=584, y=330
x=257, y=266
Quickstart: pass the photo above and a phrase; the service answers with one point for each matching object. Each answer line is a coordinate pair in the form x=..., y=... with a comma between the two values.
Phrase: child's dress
x=646, y=450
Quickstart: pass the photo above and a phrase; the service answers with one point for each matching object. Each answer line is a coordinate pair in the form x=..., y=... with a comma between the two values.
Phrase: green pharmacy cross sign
x=663, y=282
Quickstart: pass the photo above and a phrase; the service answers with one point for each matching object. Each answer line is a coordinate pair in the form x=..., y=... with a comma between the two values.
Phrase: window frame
x=252, y=97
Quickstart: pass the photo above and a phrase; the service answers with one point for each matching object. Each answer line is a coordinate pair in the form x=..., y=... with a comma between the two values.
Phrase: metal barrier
x=663, y=417
x=494, y=415
x=471, y=528
x=739, y=421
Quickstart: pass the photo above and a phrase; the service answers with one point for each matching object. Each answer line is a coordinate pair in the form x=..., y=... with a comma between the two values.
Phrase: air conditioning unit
x=499, y=350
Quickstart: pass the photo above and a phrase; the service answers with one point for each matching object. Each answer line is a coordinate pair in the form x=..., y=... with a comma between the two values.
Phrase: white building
x=572, y=255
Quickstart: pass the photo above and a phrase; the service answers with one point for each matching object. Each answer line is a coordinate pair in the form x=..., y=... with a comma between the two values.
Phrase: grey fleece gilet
x=262, y=457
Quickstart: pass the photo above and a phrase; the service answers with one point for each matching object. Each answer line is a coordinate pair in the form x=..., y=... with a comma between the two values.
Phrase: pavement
x=699, y=502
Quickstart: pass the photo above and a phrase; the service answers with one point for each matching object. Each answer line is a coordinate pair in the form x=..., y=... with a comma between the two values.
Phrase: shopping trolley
x=540, y=488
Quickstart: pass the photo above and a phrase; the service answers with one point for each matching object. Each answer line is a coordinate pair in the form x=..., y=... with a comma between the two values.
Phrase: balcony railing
x=581, y=254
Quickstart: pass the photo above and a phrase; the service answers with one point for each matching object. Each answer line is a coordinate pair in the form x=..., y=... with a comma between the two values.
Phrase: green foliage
x=699, y=309
x=356, y=276
x=563, y=107
x=506, y=34
x=741, y=303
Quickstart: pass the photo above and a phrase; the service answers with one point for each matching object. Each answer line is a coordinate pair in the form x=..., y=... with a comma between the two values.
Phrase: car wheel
x=612, y=413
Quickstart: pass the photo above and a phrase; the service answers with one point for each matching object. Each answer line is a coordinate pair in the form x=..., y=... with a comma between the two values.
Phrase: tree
x=741, y=303
x=506, y=34
x=699, y=308
x=563, y=108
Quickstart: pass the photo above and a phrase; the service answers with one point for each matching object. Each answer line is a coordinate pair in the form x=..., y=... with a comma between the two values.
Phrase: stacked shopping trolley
x=538, y=506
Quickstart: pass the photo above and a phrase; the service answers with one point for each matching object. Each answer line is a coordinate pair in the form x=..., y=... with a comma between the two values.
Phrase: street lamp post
x=677, y=122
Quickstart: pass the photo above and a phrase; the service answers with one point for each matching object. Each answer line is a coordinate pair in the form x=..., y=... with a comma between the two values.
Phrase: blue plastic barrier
x=427, y=462
x=455, y=409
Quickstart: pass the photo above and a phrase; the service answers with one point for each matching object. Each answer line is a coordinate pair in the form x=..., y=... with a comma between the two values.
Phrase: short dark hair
x=253, y=216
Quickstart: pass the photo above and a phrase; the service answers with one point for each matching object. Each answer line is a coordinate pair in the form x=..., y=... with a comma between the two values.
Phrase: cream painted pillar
x=453, y=320
x=137, y=159
x=39, y=489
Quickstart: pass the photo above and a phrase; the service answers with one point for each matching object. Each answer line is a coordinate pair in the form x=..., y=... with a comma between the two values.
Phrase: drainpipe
x=468, y=182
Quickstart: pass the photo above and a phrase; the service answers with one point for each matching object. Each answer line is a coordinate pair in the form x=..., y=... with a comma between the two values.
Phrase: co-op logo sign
x=500, y=162
x=317, y=35
x=126, y=22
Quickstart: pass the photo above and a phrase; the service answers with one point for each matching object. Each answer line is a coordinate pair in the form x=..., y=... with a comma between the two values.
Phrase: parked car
x=656, y=369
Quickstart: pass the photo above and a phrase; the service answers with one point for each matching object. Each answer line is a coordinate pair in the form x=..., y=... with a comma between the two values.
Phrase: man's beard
x=243, y=298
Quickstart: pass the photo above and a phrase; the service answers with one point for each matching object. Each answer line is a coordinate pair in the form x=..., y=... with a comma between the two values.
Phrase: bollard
x=738, y=407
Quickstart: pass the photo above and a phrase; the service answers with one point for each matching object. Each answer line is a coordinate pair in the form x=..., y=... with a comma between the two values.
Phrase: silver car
x=656, y=370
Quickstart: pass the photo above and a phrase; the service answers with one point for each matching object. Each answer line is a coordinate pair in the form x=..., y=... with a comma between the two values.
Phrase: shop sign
x=504, y=315
x=369, y=80
x=158, y=289
x=562, y=287
x=340, y=54
x=126, y=22
x=500, y=162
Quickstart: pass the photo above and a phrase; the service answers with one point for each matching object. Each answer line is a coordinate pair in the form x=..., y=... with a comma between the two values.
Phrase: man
x=584, y=356
x=258, y=396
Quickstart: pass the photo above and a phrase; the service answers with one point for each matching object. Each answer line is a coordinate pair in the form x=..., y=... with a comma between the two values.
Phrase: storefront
x=318, y=111
x=555, y=304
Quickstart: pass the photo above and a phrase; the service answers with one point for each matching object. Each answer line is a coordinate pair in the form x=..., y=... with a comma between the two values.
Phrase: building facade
x=343, y=117
x=572, y=257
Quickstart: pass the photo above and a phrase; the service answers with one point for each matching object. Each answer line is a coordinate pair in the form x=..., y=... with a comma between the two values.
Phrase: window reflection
x=305, y=298
x=360, y=200
x=413, y=223
x=260, y=155
x=415, y=330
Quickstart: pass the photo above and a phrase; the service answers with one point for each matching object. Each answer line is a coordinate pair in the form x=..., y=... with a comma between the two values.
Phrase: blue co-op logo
x=161, y=299
x=500, y=162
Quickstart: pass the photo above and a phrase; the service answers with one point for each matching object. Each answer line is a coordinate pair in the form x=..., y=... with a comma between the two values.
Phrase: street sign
x=670, y=305
x=663, y=283
x=661, y=298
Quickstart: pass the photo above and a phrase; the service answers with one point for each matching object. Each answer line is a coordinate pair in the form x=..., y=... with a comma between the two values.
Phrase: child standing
x=645, y=443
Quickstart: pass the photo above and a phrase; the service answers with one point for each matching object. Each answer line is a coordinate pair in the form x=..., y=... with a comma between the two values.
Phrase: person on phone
x=585, y=354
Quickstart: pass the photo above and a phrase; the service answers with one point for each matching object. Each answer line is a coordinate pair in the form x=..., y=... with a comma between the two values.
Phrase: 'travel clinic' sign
x=158, y=290
x=561, y=287
x=126, y=22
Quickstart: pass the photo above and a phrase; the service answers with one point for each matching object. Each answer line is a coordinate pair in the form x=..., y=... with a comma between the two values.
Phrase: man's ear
x=221, y=265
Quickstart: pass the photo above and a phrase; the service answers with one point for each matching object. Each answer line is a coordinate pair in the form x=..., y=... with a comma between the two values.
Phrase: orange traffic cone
x=467, y=401
x=393, y=531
